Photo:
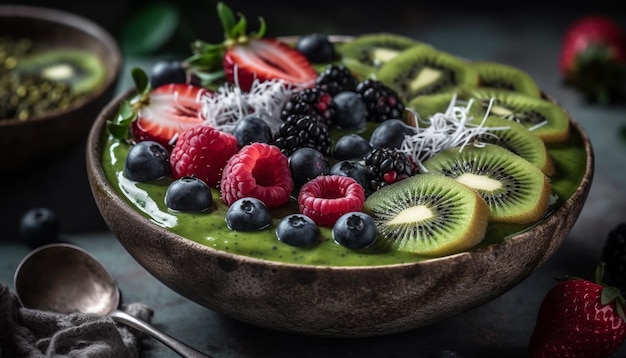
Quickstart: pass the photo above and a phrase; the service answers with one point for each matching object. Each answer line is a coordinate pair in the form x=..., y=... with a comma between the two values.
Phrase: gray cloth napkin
x=31, y=333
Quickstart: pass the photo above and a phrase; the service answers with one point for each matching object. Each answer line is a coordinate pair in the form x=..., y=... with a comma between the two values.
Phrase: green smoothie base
x=209, y=228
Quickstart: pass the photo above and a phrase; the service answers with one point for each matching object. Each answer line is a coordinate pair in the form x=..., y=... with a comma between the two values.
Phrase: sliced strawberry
x=171, y=109
x=266, y=59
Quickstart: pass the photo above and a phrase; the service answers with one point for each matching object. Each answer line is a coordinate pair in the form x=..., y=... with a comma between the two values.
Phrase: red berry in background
x=579, y=318
x=593, y=58
x=202, y=151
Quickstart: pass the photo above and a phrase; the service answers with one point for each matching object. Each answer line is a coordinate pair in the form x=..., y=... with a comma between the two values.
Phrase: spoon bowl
x=64, y=278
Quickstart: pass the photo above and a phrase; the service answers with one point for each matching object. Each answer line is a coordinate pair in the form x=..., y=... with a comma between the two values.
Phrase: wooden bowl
x=356, y=301
x=24, y=142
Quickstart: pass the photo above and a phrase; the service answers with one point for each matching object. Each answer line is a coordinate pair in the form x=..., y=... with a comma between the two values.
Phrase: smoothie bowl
x=57, y=71
x=439, y=247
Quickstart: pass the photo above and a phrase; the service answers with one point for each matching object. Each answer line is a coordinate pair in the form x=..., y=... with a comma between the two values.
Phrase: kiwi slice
x=545, y=119
x=516, y=191
x=502, y=76
x=519, y=140
x=427, y=105
x=365, y=54
x=424, y=70
x=428, y=214
x=83, y=71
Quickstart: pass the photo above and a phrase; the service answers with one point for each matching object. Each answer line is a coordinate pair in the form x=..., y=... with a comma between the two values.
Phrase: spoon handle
x=177, y=346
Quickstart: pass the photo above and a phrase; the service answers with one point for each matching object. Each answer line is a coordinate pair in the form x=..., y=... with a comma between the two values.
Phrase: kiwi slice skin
x=83, y=71
x=543, y=118
x=366, y=53
x=505, y=77
x=424, y=70
x=517, y=139
x=428, y=214
x=516, y=191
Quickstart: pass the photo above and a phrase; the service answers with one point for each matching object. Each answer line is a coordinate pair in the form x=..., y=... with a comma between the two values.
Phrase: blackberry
x=313, y=102
x=614, y=257
x=386, y=166
x=299, y=131
x=335, y=79
x=382, y=102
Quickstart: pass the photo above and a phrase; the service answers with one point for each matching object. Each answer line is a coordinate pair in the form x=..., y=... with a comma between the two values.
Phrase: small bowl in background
x=42, y=137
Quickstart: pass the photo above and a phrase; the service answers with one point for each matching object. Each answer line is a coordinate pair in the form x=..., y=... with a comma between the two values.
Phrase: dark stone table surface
x=529, y=39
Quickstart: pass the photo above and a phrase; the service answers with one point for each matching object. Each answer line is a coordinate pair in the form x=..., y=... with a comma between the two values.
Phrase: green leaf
x=609, y=294
x=149, y=29
x=262, y=28
x=227, y=18
x=208, y=78
x=239, y=29
x=119, y=126
x=141, y=80
x=209, y=61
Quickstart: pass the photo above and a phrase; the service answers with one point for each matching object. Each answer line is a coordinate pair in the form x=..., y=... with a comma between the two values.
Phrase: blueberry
x=248, y=214
x=316, y=47
x=352, y=169
x=147, y=161
x=355, y=230
x=167, y=71
x=350, y=110
x=297, y=230
x=390, y=134
x=351, y=146
x=252, y=129
x=189, y=194
x=307, y=163
x=39, y=226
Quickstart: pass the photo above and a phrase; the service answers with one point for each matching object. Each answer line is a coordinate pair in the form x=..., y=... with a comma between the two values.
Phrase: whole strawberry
x=579, y=318
x=593, y=58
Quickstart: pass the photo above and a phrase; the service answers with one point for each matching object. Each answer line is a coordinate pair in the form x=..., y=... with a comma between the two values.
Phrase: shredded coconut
x=446, y=130
x=229, y=104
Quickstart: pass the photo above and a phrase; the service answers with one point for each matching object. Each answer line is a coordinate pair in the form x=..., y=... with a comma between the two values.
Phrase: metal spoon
x=64, y=278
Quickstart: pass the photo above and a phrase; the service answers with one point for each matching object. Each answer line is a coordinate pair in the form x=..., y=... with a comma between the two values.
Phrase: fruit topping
x=351, y=112
x=515, y=190
x=202, y=151
x=170, y=109
x=297, y=230
x=501, y=76
x=246, y=58
x=167, y=71
x=39, y=226
x=351, y=146
x=306, y=164
x=316, y=47
x=258, y=170
x=303, y=131
x=391, y=133
x=325, y=198
x=385, y=166
x=428, y=214
x=248, y=214
x=353, y=169
x=250, y=129
x=188, y=194
x=382, y=102
x=313, y=102
x=336, y=78
x=147, y=161
x=355, y=230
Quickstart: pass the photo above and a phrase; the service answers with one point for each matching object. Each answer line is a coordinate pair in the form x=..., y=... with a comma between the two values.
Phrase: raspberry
x=327, y=197
x=202, y=151
x=258, y=170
